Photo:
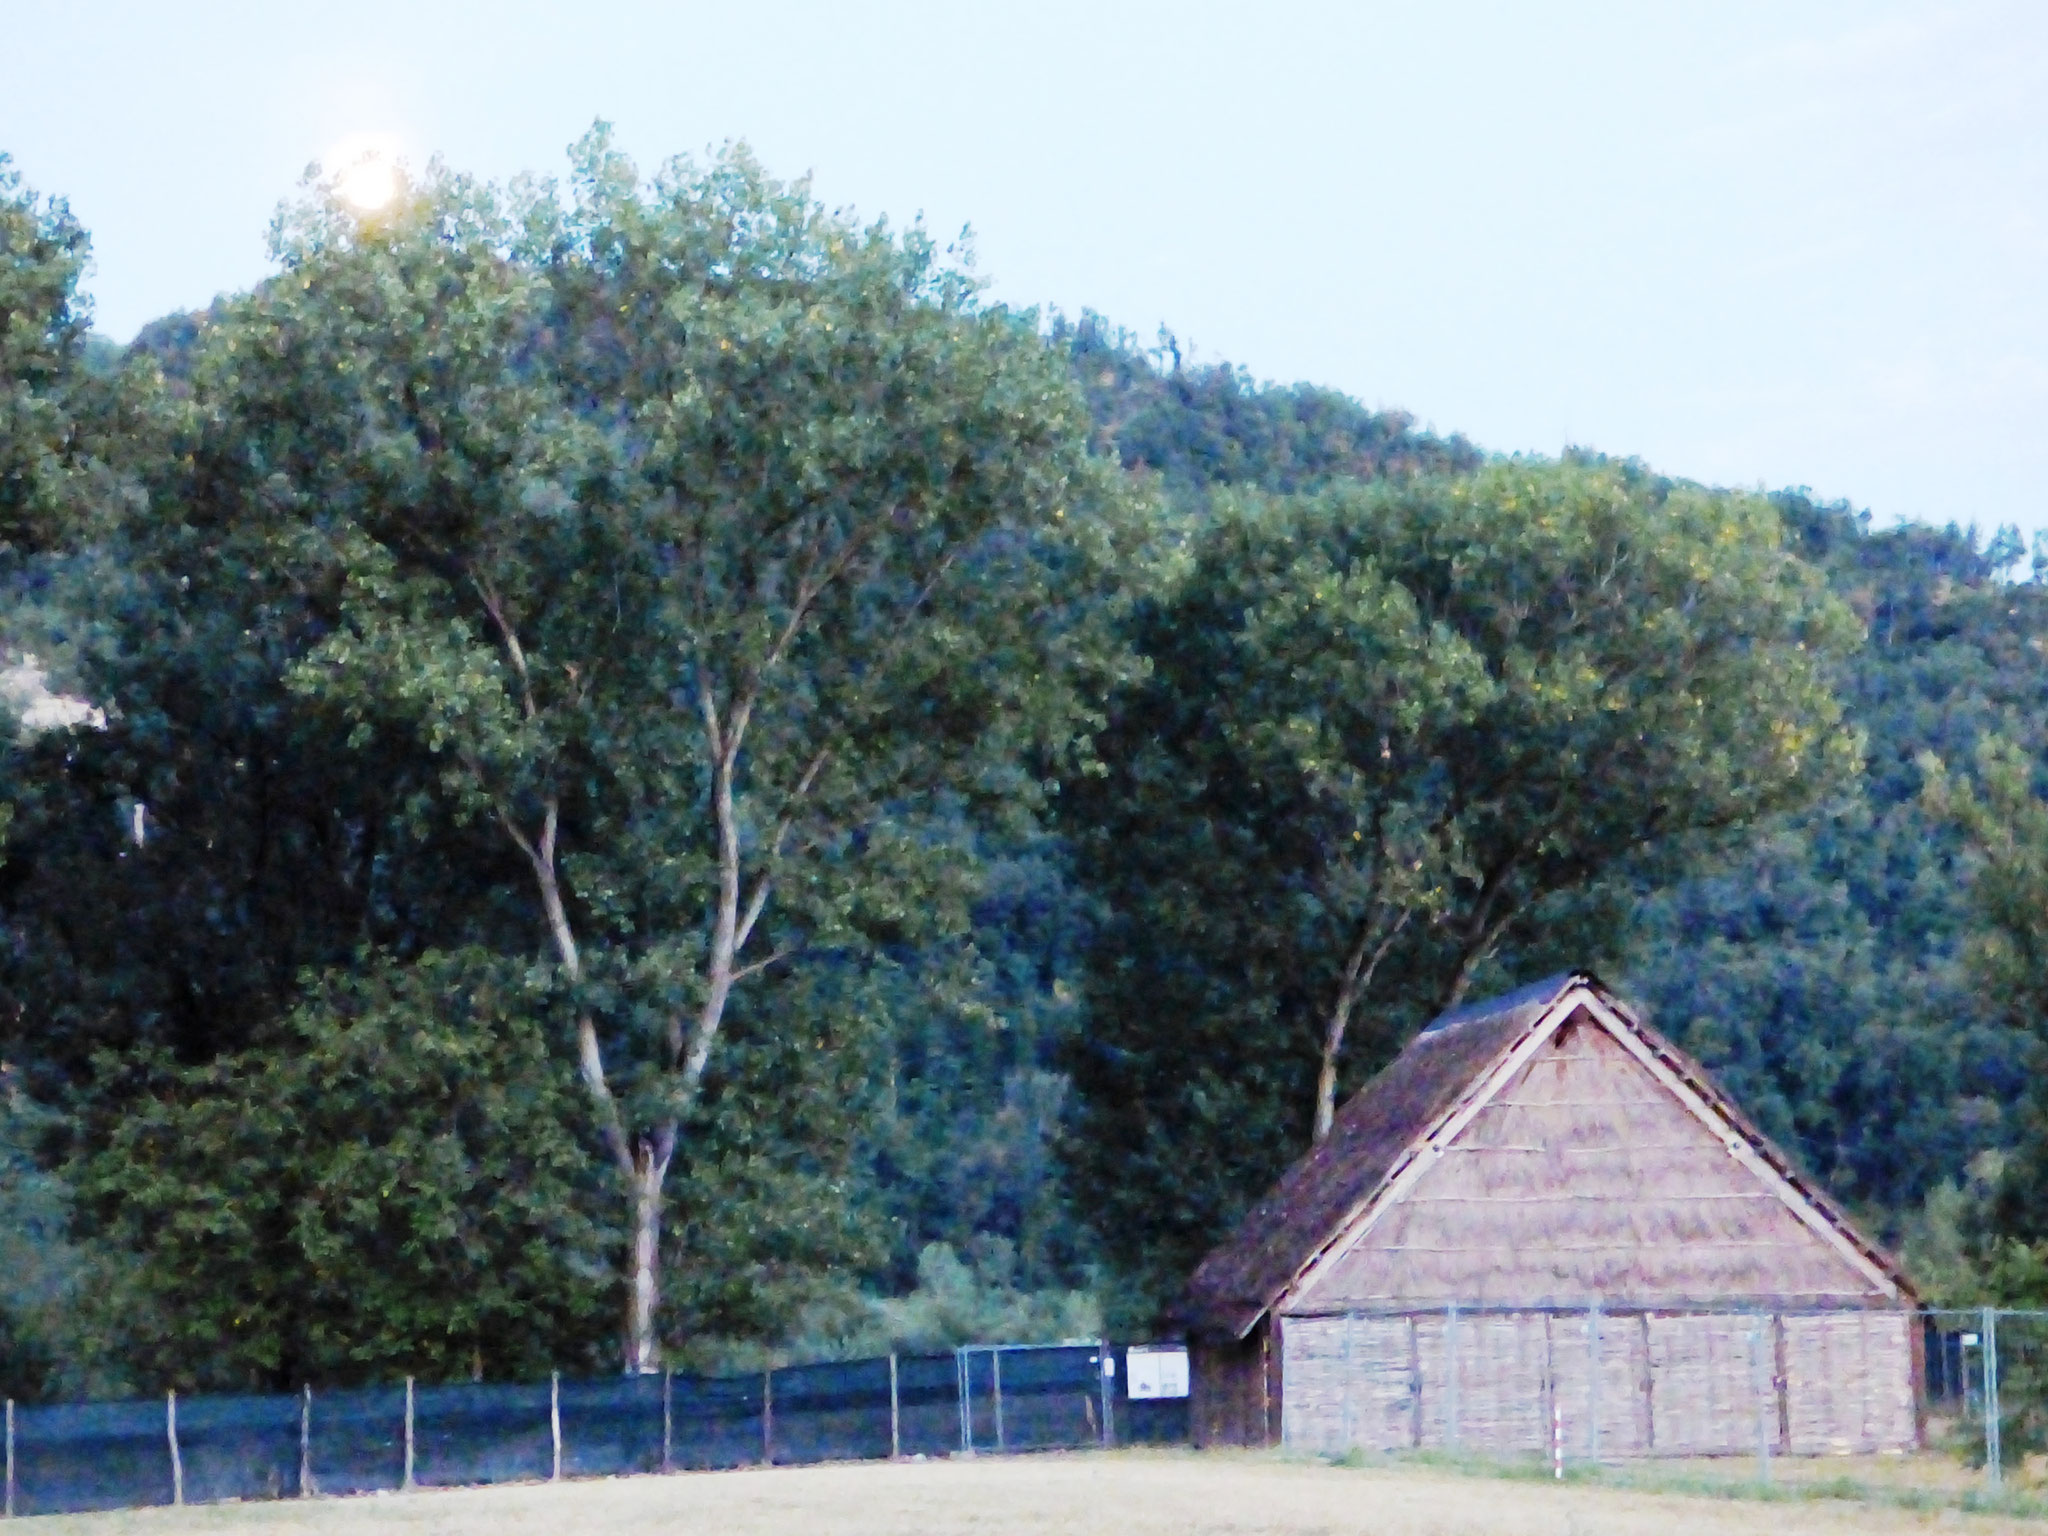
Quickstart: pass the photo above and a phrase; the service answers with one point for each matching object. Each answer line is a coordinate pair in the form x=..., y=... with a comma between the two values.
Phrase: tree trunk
x=1326, y=1088
x=1358, y=974
x=643, y=1341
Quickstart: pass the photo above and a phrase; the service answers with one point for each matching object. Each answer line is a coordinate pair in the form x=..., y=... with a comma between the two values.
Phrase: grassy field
x=1131, y=1493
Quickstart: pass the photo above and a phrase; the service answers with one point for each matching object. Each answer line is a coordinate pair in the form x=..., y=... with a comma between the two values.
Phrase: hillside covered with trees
x=630, y=770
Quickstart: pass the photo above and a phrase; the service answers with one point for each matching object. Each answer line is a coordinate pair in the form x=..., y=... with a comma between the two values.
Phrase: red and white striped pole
x=1557, y=1440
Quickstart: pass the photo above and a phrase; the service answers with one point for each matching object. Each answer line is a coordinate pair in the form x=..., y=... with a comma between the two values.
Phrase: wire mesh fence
x=986, y=1398
x=1603, y=1384
x=1987, y=1383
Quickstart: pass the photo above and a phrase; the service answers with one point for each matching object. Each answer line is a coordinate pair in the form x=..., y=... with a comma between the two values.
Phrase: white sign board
x=1159, y=1370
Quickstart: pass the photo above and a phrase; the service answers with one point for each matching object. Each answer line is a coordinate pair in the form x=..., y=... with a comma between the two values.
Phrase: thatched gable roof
x=1377, y=1133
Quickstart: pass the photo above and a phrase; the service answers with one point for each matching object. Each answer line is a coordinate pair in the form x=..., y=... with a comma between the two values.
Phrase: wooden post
x=177, y=1462
x=895, y=1413
x=1593, y=1384
x=1759, y=1384
x=768, y=1417
x=306, y=1443
x=1648, y=1382
x=10, y=1458
x=555, y=1422
x=668, y=1420
x=1550, y=1387
x=1451, y=1376
x=408, y=1434
x=1345, y=1438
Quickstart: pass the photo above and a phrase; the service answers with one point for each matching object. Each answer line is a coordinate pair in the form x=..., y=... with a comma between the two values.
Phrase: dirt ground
x=1130, y=1493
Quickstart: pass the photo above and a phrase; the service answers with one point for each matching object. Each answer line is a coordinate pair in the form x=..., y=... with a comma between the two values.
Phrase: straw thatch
x=1238, y=1282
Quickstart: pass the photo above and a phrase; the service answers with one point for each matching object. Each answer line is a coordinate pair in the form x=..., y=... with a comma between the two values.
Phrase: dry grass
x=1131, y=1493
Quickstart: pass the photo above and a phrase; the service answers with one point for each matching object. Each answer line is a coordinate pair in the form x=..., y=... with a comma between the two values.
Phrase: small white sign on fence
x=1159, y=1370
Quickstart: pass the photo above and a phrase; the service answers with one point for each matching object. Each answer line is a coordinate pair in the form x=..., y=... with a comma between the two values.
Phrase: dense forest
x=630, y=770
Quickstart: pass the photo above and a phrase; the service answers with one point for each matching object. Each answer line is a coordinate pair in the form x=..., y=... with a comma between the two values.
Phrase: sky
x=1768, y=244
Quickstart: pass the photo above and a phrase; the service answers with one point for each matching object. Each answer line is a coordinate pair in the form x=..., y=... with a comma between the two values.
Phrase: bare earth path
x=1127, y=1493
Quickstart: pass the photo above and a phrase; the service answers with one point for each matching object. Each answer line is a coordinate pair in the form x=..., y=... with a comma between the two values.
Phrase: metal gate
x=1029, y=1397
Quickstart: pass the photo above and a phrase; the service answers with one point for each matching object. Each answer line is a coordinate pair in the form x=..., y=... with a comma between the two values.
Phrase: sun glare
x=366, y=171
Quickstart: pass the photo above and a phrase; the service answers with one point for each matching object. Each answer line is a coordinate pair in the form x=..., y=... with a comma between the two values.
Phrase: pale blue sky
x=1782, y=243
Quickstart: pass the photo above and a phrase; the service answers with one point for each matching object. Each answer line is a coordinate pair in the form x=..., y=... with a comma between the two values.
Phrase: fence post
x=555, y=1422
x=995, y=1365
x=768, y=1417
x=10, y=1458
x=177, y=1462
x=961, y=1378
x=1451, y=1376
x=1107, y=1376
x=1993, y=1472
x=668, y=1420
x=1593, y=1363
x=407, y=1483
x=895, y=1413
x=306, y=1442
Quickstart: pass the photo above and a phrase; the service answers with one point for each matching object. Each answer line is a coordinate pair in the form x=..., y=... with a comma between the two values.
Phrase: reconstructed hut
x=1543, y=1223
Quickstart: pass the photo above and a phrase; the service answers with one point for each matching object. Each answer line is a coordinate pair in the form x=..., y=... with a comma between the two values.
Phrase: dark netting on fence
x=829, y=1412
x=118, y=1455
x=482, y=1434
x=1034, y=1399
x=612, y=1427
x=928, y=1404
x=239, y=1447
x=79, y=1456
x=717, y=1421
x=358, y=1440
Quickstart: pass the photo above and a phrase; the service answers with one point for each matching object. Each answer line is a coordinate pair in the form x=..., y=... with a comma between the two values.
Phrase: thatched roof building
x=1544, y=1215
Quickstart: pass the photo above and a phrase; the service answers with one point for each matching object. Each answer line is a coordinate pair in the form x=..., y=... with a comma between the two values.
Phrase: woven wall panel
x=1607, y=1384
x=1848, y=1383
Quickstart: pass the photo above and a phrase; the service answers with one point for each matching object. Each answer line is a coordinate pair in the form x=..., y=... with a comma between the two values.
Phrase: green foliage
x=1200, y=427
x=677, y=563
x=1465, y=701
x=1817, y=967
x=975, y=1300
x=2006, y=823
x=43, y=1274
x=43, y=324
x=389, y=1185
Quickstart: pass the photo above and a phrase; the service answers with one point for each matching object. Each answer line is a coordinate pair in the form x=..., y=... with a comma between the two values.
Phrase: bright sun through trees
x=365, y=167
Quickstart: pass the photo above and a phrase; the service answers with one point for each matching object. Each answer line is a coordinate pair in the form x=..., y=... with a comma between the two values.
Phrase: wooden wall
x=1621, y=1383
x=1234, y=1389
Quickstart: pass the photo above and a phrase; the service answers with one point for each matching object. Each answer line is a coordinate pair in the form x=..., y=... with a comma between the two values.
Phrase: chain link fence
x=64, y=1458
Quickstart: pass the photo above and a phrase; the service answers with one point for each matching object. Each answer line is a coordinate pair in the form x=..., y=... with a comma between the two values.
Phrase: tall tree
x=1418, y=722
x=714, y=544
